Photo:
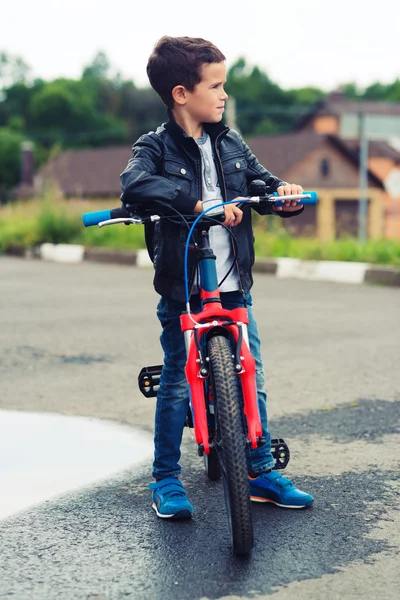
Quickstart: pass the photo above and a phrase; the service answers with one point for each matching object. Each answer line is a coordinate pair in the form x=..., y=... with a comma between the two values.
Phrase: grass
x=57, y=221
x=380, y=251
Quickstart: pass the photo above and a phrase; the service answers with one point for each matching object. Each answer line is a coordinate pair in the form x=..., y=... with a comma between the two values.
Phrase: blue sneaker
x=170, y=500
x=272, y=487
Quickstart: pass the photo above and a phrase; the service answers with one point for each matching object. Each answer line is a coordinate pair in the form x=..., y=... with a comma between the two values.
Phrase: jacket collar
x=181, y=137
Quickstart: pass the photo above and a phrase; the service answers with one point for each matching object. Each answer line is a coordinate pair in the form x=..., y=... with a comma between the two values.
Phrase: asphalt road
x=73, y=339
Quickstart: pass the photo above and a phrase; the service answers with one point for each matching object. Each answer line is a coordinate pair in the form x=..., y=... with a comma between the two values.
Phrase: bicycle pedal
x=149, y=380
x=280, y=453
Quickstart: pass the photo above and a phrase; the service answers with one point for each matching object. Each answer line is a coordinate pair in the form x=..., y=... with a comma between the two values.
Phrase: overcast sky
x=297, y=42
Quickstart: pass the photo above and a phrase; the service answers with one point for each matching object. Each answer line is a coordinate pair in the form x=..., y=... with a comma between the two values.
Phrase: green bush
x=56, y=221
x=56, y=225
x=50, y=220
x=17, y=233
x=348, y=249
x=123, y=237
x=10, y=158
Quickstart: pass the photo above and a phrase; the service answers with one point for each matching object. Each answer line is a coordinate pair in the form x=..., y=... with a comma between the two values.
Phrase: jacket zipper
x=225, y=196
x=195, y=266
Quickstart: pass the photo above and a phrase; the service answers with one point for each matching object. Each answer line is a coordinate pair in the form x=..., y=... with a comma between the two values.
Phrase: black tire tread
x=230, y=424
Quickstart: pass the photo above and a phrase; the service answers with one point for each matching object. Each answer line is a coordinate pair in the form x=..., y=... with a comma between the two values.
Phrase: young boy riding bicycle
x=190, y=163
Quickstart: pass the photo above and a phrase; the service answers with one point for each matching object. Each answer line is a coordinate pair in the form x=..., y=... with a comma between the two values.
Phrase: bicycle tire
x=231, y=443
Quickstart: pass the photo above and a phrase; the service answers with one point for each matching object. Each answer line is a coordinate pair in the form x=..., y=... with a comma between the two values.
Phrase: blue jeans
x=173, y=398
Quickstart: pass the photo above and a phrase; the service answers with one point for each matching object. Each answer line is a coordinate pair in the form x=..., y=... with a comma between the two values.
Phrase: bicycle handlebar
x=97, y=216
x=94, y=218
x=312, y=199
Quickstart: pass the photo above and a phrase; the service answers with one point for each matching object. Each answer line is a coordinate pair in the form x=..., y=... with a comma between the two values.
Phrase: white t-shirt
x=220, y=238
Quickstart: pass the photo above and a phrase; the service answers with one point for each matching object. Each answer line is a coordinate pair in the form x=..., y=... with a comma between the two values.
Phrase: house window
x=324, y=167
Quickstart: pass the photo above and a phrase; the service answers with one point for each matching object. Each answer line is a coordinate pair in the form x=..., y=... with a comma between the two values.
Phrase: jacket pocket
x=234, y=169
x=179, y=174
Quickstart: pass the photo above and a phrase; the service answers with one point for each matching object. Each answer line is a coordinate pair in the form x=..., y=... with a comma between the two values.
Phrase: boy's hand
x=290, y=205
x=233, y=214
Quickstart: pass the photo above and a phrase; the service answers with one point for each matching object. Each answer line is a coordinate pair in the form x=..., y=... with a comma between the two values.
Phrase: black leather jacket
x=166, y=165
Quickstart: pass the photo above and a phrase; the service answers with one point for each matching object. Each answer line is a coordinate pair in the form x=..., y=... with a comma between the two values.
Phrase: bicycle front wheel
x=231, y=441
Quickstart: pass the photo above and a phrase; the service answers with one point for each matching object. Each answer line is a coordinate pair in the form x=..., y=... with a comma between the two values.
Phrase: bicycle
x=220, y=369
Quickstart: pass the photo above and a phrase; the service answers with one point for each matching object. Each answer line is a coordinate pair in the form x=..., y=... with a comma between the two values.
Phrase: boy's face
x=206, y=102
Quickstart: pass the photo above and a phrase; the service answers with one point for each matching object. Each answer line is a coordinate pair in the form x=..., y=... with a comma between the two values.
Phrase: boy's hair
x=178, y=61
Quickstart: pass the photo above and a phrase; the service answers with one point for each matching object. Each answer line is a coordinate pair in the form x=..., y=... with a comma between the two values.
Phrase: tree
x=141, y=109
x=305, y=96
x=376, y=91
x=262, y=106
x=12, y=70
x=101, y=108
x=57, y=106
x=394, y=91
x=66, y=111
x=10, y=160
x=351, y=90
x=100, y=67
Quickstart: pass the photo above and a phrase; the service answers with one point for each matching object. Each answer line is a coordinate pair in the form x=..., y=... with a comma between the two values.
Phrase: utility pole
x=363, y=160
x=230, y=113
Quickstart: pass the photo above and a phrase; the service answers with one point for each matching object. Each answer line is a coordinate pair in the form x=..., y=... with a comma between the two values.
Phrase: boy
x=190, y=162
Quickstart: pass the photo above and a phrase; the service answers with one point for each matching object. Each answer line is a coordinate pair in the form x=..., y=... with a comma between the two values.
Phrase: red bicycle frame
x=194, y=327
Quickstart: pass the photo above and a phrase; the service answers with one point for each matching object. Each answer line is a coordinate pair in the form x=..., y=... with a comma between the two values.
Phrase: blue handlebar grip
x=312, y=200
x=96, y=217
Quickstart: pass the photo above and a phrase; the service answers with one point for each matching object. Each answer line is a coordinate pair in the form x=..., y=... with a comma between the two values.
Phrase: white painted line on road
x=323, y=270
x=44, y=455
x=65, y=253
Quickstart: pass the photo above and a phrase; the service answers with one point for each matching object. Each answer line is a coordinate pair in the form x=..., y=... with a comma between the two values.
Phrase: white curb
x=63, y=253
x=284, y=268
x=324, y=270
x=143, y=259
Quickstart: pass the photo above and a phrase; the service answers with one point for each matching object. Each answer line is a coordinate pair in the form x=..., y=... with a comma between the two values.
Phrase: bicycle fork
x=213, y=318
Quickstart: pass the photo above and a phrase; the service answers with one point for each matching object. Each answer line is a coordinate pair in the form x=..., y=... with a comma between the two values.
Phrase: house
x=84, y=173
x=324, y=163
x=340, y=116
x=384, y=161
x=337, y=115
x=317, y=161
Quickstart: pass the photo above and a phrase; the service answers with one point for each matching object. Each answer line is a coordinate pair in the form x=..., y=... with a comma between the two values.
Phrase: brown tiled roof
x=278, y=153
x=339, y=107
x=376, y=149
x=337, y=104
x=92, y=172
